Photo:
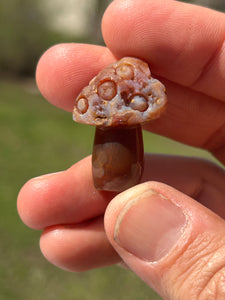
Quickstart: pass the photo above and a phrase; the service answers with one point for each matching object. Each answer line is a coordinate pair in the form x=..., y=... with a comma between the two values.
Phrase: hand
x=177, y=243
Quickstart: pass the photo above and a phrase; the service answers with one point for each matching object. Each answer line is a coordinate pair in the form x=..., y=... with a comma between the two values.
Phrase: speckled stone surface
x=121, y=98
x=122, y=94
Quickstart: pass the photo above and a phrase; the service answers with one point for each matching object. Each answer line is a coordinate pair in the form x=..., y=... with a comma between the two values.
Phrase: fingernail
x=149, y=226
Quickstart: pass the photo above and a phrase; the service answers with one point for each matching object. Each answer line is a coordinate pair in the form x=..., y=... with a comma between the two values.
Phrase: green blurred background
x=37, y=138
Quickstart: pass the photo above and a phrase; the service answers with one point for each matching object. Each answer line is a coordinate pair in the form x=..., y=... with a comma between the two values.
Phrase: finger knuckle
x=215, y=287
x=199, y=272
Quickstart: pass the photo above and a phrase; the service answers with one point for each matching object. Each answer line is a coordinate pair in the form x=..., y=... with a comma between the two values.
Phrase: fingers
x=181, y=256
x=69, y=197
x=71, y=210
x=61, y=198
x=181, y=42
x=193, y=119
x=200, y=179
x=193, y=44
x=65, y=69
x=190, y=118
x=78, y=247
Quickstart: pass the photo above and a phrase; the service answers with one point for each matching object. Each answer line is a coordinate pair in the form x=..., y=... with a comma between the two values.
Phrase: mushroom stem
x=118, y=158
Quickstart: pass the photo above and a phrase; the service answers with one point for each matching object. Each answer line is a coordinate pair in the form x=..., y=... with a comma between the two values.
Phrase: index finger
x=182, y=42
x=64, y=69
x=191, y=117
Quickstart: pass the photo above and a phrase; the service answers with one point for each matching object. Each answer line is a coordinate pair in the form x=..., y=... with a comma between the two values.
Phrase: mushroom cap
x=122, y=94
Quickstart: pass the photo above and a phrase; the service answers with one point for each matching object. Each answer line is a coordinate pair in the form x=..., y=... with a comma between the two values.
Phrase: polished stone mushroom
x=121, y=98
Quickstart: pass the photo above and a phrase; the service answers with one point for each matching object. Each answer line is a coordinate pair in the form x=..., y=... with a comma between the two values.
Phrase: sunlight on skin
x=195, y=116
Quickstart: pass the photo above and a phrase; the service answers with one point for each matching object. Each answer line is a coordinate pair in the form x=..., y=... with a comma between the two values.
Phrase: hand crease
x=216, y=141
x=208, y=64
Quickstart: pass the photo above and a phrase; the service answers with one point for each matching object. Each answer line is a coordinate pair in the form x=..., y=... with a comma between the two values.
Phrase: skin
x=184, y=46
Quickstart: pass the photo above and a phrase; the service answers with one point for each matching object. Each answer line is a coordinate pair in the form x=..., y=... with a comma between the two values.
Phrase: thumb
x=173, y=243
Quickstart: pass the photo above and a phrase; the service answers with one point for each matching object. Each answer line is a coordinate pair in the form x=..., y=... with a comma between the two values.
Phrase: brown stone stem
x=118, y=158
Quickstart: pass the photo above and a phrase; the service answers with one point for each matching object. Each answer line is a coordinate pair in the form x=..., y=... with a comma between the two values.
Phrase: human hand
x=173, y=242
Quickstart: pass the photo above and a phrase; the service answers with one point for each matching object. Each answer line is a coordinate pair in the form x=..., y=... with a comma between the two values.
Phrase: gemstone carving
x=120, y=99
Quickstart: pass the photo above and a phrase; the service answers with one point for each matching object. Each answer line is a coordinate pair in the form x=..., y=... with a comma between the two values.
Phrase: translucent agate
x=122, y=94
x=121, y=98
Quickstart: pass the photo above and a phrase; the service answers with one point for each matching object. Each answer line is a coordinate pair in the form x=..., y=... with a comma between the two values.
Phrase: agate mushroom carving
x=120, y=99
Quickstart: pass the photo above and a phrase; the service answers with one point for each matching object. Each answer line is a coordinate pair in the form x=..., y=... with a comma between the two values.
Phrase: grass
x=35, y=139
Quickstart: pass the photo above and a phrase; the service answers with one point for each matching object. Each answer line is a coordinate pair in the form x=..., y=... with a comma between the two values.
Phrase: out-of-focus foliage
x=215, y=4
x=25, y=34
x=95, y=30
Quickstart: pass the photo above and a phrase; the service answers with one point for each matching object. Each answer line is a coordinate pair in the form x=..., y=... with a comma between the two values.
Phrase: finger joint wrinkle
x=207, y=66
x=216, y=141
